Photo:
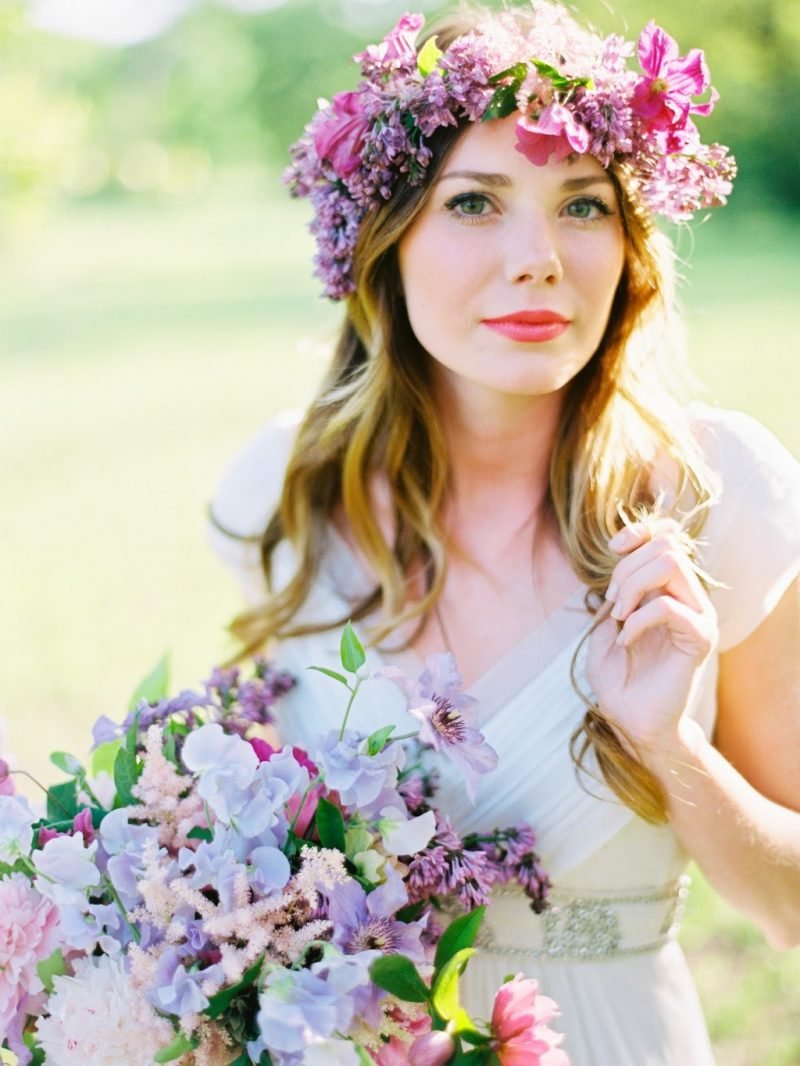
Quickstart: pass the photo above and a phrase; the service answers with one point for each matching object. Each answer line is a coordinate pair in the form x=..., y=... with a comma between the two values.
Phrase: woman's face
x=510, y=269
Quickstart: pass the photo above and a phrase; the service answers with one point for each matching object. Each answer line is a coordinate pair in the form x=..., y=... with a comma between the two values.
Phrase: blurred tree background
x=226, y=84
x=156, y=307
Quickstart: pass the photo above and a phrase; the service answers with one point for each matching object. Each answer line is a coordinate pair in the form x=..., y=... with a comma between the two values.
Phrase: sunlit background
x=156, y=308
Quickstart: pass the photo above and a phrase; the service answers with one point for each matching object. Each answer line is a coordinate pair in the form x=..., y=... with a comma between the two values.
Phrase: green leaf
x=445, y=998
x=398, y=975
x=429, y=56
x=179, y=1046
x=62, y=800
x=330, y=825
x=66, y=763
x=518, y=72
x=220, y=1002
x=153, y=688
x=241, y=1060
x=126, y=774
x=103, y=756
x=502, y=103
x=351, y=651
x=331, y=673
x=458, y=935
x=363, y=1057
x=200, y=832
x=52, y=966
x=376, y=742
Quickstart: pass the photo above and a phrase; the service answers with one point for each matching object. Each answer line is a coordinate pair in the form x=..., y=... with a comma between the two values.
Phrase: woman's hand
x=656, y=630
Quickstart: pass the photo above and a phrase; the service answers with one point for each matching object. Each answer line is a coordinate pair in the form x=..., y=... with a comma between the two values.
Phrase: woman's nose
x=532, y=256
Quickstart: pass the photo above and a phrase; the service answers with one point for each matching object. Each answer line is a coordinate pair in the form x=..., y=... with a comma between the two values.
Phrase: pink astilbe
x=168, y=799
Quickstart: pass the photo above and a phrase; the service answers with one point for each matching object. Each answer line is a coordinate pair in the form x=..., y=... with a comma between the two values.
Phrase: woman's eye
x=469, y=204
x=587, y=208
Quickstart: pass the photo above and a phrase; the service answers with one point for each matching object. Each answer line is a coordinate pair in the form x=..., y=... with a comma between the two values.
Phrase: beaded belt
x=582, y=927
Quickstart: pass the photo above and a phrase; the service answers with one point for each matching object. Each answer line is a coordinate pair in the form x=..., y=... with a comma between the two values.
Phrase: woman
x=495, y=467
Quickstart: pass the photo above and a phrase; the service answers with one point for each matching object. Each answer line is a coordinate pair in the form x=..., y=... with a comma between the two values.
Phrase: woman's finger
x=693, y=632
x=667, y=571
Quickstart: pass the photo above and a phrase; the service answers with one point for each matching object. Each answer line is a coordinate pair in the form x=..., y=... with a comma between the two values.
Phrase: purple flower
x=298, y=1008
x=440, y=706
x=447, y=867
x=366, y=921
x=396, y=49
x=363, y=781
x=177, y=991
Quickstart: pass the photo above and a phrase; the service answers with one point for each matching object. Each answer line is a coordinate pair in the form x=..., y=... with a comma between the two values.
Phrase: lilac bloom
x=16, y=832
x=360, y=779
x=442, y=710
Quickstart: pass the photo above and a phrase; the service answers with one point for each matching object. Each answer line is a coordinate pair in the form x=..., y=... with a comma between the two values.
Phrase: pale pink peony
x=98, y=1017
x=519, y=1023
x=555, y=131
x=340, y=138
x=28, y=934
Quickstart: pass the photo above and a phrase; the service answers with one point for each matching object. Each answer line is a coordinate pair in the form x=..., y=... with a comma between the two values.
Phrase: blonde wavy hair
x=374, y=415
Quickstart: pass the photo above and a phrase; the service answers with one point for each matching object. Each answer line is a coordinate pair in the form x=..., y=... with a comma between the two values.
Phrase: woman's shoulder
x=750, y=543
x=247, y=494
x=250, y=486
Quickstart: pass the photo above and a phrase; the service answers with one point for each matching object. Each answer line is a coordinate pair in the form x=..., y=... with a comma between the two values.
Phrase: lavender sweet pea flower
x=442, y=709
x=16, y=832
x=66, y=870
x=270, y=870
x=178, y=992
x=360, y=779
x=402, y=835
x=124, y=844
x=225, y=766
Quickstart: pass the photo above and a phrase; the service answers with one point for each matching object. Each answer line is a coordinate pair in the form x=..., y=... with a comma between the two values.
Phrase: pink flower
x=398, y=46
x=554, y=131
x=81, y=823
x=663, y=96
x=519, y=1023
x=432, y=1049
x=339, y=137
x=28, y=934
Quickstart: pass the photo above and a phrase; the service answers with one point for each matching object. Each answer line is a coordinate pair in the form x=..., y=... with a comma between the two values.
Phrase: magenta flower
x=339, y=139
x=520, y=1019
x=554, y=131
x=663, y=96
x=397, y=47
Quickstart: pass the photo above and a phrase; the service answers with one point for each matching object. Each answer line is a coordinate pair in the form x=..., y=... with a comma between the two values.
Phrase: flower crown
x=574, y=93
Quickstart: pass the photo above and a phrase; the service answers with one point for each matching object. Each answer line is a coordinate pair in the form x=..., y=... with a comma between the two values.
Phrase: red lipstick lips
x=529, y=327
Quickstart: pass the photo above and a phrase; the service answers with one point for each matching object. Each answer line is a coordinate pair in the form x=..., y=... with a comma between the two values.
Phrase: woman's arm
x=734, y=805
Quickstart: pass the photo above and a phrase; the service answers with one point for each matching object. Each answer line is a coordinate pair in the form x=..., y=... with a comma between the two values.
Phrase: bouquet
x=202, y=897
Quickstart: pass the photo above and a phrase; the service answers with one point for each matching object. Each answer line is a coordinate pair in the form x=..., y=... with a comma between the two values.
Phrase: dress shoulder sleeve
x=751, y=540
x=246, y=496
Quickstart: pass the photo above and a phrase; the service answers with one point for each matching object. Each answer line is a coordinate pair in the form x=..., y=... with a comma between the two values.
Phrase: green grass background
x=140, y=345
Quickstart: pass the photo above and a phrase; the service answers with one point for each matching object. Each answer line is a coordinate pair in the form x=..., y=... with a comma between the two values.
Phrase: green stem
x=353, y=692
x=44, y=789
x=115, y=896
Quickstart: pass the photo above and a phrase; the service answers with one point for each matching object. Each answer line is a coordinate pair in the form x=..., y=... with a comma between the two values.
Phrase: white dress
x=606, y=950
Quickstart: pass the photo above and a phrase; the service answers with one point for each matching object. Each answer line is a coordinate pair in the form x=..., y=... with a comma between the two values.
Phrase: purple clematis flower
x=366, y=922
x=442, y=709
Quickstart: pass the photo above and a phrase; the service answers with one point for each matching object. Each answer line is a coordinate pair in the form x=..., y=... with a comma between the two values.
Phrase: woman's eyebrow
x=575, y=184
x=493, y=181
